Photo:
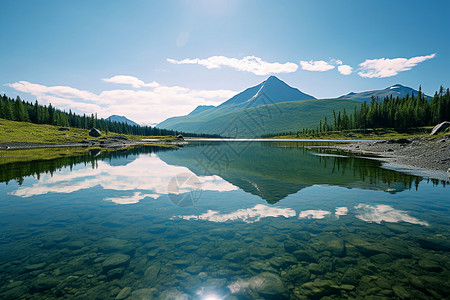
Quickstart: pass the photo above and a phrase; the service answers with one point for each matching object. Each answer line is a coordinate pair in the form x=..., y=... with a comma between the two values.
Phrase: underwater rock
x=260, y=266
x=115, y=261
x=45, y=283
x=401, y=292
x=115, y=273
x=123, y=293
x=58, y=236
x=113, y=244
x=181, y=263
x=298, y=274
x=301, y=235
x=237, y=256
x=144, y=294
x=16, y=292
x=434, y=244
x=282, y=261
x=261, y=252
x=336, y=247
x=382, y=258
x=351, y=276
x=291, y=245
x=302, y=255
x=430, y=265
x=266, y=284
x=366, y=248
x=396, y=228
x=33, y=267
x=317, y=268
x=319, y=288
x=269, y=284
x=152, y=272
x=347, y=287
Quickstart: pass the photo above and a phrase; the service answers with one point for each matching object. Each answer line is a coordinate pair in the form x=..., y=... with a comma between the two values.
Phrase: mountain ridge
x=271, y=106
x=121, y=119
x=396, y=90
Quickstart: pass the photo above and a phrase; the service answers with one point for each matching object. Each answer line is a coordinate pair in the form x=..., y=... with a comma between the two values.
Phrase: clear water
x=240, y=220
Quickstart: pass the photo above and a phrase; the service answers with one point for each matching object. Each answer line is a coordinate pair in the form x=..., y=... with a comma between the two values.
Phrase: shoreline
x=430, y=153
x=107, y=143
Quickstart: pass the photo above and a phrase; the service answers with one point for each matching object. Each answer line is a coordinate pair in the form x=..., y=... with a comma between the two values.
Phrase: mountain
x=270, y=91
x=121, y=119
x=396, y=90
x=269, y=107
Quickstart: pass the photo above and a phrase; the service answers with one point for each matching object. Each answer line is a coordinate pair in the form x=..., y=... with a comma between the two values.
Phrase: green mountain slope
x=269, y=107
x=264, y=119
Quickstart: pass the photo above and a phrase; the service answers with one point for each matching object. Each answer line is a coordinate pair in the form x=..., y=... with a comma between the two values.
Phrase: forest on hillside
x=394, y=112
x=22, y=111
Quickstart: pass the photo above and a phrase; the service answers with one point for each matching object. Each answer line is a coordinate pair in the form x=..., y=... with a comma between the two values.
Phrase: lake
x=221, y=220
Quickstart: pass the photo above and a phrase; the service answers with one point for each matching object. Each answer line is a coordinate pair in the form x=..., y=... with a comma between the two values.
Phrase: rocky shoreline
x=113, y=142
x=432, y=153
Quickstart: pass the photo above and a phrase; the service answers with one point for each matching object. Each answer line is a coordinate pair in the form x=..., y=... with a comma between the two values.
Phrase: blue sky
x=149, y=60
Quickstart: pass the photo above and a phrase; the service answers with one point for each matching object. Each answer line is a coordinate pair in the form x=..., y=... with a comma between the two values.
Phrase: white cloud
x=131, y=80
x=318, y=65
x=247, y=215
x=386, y=67
x=386, y=213
x=153, y=104
x=336, y=61
x=250, y=64
x=345, y=69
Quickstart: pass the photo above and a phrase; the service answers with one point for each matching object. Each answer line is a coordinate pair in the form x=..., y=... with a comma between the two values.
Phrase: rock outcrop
x=440, y=127
x=94, y=132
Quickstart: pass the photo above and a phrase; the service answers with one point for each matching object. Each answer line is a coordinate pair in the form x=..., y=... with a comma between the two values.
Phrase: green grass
x=12, y=131
x=25, y=155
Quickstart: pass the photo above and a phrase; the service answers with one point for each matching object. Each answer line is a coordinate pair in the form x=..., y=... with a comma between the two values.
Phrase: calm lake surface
x=220, y=220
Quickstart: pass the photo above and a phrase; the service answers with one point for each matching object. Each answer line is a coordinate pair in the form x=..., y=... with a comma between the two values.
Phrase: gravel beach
x=431, y=153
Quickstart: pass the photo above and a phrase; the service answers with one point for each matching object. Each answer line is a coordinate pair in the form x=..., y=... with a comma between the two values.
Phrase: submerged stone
x=115, y=260
x=401, y=292
x=113, y=244
x=319, y=288
x=298, y=274
x=430, y=265
x=144, y=294
x=123, y=293
x=45, y=283
x=115, y=273
x=302, y=255
x=152, y=272
x=301, y=235
x=33, y=267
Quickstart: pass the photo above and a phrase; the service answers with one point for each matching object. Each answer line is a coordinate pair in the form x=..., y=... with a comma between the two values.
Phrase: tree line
x=393, y=112
x=22, y=111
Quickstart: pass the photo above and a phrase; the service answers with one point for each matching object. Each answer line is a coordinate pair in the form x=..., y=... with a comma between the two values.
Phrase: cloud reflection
x=247, y=215
x=386, y=213
x=145, y=173
x=313, y=214
x=137, y=196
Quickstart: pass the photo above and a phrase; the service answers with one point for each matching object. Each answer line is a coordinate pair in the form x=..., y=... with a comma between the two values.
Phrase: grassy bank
x=25, y=155
x=23, y=132
x=368, y=134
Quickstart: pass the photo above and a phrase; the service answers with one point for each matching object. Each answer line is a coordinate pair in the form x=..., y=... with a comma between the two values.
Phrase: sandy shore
x=425, y=152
